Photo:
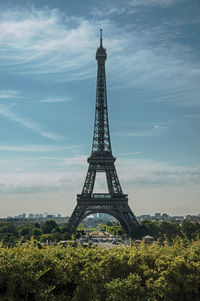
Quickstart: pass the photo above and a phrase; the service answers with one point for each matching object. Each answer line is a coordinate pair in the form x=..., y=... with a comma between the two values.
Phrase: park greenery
x=166, y=270
x=34, y=272
x=11, y=232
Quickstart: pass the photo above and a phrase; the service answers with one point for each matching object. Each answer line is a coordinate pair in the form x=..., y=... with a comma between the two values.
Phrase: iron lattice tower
x=101, y=159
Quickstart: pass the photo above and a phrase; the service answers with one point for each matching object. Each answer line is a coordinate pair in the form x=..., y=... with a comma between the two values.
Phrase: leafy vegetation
x=112, y=229
x=160, y=230
x=11, y=232
x=165, y=272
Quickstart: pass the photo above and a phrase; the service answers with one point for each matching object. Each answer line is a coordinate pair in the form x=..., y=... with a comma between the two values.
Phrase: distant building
x=49, y=216
x=157, y=215
x=165, y=216
x=193, y=218
x=145, y=217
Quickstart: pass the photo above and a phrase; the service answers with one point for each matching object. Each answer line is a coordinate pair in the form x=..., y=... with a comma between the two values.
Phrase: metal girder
x=121, y=212
x=113, y=183
x=101, y=136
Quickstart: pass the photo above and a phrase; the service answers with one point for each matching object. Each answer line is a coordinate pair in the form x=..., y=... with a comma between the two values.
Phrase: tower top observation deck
x=101, y=51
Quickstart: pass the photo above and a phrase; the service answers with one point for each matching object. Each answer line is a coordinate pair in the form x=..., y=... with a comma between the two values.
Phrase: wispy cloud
x=162, y=3
x=56, y=99
x=195, y=116
x=4, y=94
x=36, y=148
x=45, y=163
x=44, y=42
x=59, y=173
x=6, y=112
x=109, y=10
x=44, y=174
x=150, y=172
x=151, y=185
x=16, y=95
x=129, y=154
x=128, y=7
x=155, y=130
x=59, y=47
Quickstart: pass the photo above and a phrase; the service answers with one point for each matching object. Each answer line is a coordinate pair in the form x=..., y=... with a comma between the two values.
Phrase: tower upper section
x=101, y=139
x=101, y=55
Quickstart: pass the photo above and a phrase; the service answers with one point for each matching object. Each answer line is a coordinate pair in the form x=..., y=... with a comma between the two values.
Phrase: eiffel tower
x=101, y=159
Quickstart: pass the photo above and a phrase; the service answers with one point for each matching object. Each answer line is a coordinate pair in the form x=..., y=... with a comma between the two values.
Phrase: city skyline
x=47, y=102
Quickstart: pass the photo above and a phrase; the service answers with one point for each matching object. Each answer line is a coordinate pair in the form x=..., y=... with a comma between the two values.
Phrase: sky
x=47, y=102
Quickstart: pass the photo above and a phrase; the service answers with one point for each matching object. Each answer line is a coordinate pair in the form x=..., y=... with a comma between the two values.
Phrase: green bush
x=144, y=273
x=37, y=232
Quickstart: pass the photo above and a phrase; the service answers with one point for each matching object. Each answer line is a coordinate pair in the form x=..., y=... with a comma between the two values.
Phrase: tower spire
x=101, y=37
x=101, y=137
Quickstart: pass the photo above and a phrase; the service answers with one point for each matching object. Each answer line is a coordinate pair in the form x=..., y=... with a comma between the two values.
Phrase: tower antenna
x=101, y=37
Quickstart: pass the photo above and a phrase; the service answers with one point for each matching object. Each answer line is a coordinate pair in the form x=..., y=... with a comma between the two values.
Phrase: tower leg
x=89, y=181
x=76, y=218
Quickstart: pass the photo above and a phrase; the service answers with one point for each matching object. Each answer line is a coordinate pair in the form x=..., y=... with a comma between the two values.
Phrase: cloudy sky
x=47, y=102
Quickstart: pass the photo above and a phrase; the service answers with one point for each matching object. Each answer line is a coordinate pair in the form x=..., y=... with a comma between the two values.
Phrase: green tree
x=48, y=226
x=37, y=225
x=150, y=228
x=189, y=228
x=11, y=228
x=25, y=231
x=165, y=272
x=46, y=238
x=171, y=230
x=37, y=232
x=66, y=232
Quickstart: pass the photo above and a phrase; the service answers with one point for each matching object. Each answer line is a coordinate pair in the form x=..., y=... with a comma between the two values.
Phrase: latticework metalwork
x=101, y=138
x=101, y=160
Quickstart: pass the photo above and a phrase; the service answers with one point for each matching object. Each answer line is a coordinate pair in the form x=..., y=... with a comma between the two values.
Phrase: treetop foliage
x=165, y=272
x=11, y=232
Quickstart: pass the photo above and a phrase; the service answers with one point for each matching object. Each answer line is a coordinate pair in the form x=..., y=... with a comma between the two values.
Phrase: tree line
x=11, y=232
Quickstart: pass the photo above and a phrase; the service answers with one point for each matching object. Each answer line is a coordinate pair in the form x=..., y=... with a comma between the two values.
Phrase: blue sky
x=47, y=101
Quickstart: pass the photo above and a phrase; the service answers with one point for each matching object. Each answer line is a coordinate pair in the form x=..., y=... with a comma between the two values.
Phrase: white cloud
x=149, y=172
x=35, y=148
x=7, y=94
x=13, y=94
x=43, y=42
x=47, y=163
x=132, y=172
x=129, y=154
x=41, y=174
x=59, y=47
x=55, y=99
x=6, y=112
x=162, y=3
x=31, y=182
x=160, y=187
x=147, y=131
x=151, y=185
x=127, y=7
